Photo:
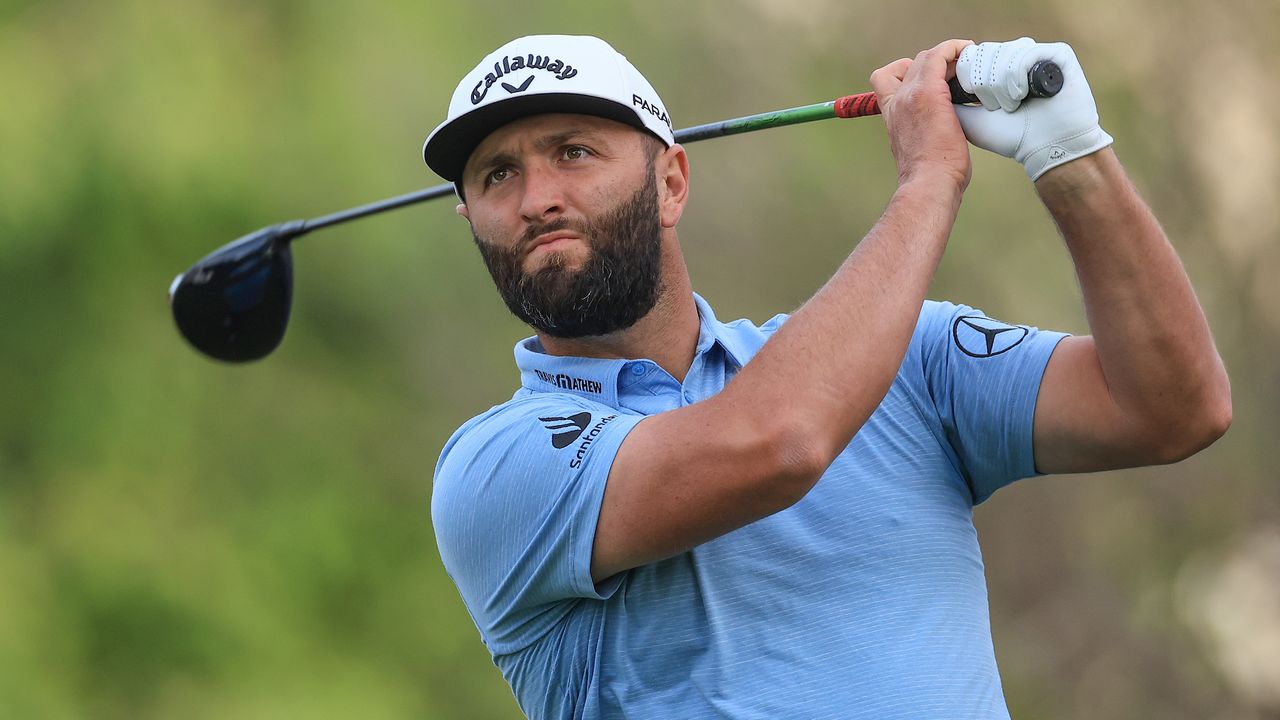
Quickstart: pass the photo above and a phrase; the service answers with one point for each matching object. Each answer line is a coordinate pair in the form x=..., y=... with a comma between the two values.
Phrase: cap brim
x=447, y=150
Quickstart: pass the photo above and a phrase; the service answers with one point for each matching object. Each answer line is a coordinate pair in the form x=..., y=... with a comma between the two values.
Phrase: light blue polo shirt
x=866, y=599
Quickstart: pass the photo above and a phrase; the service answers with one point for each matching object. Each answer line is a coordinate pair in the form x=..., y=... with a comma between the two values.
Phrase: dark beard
x=616, y=286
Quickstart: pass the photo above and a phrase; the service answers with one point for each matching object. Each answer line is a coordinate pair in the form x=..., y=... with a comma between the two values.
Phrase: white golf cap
x=543, y=74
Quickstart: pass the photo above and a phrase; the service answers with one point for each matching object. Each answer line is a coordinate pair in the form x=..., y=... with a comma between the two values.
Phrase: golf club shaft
x=1044, y=79
x=858, y=105
x=233, y=305
x=750, y=123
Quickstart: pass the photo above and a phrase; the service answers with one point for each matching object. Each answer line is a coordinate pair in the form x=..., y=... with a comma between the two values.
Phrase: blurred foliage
x=180, y=538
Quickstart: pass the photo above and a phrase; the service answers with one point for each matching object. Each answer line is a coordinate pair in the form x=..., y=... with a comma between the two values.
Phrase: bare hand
x=924, y=133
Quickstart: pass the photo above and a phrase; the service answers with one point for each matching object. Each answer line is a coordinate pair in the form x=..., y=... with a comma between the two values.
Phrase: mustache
x=532, y=232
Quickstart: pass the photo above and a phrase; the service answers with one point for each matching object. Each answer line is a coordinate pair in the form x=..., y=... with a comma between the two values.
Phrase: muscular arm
x=1148, y=386
x=684, y=477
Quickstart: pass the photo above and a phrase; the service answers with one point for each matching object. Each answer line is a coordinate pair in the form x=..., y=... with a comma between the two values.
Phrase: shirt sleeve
x=514, y=506
x=983, y=376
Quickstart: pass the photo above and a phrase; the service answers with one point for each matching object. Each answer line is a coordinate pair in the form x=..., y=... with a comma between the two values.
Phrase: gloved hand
x=1042, y=133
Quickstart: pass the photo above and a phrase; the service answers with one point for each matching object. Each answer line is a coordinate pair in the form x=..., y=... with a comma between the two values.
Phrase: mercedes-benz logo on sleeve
x=981, y=337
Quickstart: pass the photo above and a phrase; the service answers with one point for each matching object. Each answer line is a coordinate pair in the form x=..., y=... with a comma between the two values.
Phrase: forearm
x=683, y=477
x=1152, y=339
x=840, y=351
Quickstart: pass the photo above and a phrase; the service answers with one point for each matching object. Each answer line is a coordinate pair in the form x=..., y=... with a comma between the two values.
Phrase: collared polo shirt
x=866, y=599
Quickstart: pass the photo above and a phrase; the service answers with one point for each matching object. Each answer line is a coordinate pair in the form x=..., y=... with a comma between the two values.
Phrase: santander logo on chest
x=558, y=68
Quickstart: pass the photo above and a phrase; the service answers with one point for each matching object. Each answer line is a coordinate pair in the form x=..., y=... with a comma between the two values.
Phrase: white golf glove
x=1045, y=132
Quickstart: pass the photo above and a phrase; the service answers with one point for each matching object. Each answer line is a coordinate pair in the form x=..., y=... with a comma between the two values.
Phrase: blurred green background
x=180, y=538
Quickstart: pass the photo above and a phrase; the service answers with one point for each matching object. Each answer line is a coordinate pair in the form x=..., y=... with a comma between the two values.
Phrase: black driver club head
x=233, y=305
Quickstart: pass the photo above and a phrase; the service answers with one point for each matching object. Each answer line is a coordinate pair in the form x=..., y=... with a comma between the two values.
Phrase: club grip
x=1043, y=80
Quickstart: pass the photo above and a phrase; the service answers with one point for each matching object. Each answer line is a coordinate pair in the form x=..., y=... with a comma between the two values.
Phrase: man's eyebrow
x=503, y=157
x=547, y=142
x=484, y=162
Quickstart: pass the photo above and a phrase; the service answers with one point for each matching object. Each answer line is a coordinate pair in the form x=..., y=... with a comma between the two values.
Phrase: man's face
x=564, y=210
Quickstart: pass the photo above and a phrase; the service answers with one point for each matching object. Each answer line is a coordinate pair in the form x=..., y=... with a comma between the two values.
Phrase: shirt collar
x=597, y=378
x=711, y=330
x=592, y=378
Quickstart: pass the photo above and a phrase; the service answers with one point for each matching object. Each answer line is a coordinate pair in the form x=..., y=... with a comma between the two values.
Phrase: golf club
x=233, y=305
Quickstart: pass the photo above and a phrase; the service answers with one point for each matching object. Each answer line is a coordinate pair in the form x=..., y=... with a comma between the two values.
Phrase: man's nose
x=543, y=195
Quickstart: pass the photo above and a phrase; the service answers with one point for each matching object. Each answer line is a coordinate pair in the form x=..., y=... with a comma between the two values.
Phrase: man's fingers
x=888, y=79
x=939, y=60
x=949, y=50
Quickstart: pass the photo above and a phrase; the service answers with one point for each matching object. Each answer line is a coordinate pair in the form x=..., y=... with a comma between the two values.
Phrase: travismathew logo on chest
x=509, y=64
x=565, y=382
x=565, y=430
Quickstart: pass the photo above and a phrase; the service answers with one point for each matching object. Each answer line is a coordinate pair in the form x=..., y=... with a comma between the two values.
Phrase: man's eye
x=497, y=176
x=575, y=152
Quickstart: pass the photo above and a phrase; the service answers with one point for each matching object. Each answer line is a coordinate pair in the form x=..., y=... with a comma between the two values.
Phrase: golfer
x=679, y=517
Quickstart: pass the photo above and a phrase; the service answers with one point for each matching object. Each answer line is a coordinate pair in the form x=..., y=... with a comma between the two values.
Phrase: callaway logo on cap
x=543, y=74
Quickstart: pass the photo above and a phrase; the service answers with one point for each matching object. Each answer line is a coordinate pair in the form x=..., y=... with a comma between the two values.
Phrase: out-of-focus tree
x=180, y=538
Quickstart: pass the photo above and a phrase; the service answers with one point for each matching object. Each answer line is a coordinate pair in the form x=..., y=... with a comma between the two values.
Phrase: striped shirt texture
x=866, y=599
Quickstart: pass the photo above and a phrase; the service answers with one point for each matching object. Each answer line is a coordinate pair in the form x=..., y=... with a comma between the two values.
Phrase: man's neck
x=667, y=335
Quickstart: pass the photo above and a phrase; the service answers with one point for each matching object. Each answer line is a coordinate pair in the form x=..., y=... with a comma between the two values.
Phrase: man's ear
x=462, y=210
x=672, y=170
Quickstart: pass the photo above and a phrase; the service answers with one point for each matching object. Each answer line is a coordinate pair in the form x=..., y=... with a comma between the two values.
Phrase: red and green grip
x=1044, y=80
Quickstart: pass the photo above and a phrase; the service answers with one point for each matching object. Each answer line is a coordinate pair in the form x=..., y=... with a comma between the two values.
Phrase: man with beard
x=616, y=285
x=677, y=517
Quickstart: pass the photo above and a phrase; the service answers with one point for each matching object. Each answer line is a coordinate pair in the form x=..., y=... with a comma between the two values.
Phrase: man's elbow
x=1216, y=420
x=794, y=460
x=1198, y=427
